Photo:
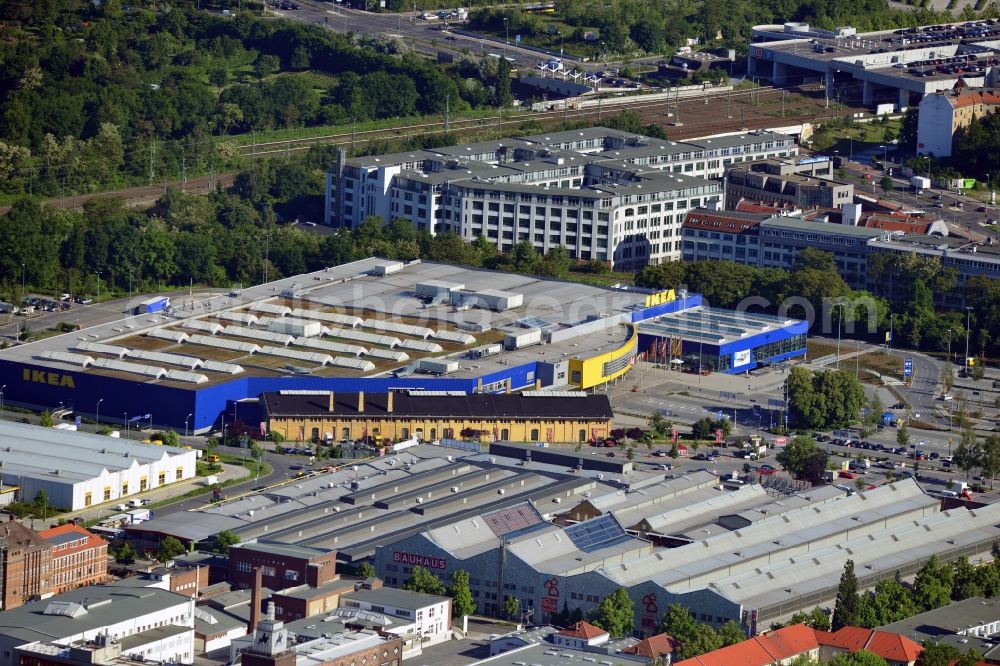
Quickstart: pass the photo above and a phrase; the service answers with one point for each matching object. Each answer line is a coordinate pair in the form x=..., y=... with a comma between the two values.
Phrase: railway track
x=742, y=112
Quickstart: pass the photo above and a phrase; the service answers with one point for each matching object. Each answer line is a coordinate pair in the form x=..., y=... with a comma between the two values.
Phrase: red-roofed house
x=78, y=557
x=782, y=646
x=660, y=646
x=895, y=649
x=941, y=114
x=581, y=635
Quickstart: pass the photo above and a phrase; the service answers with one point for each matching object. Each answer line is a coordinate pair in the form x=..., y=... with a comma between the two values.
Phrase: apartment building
x=603, y=194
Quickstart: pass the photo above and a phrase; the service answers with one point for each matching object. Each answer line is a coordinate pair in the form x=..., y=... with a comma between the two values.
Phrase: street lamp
x=949, y=345
x=1, y=399
x=965, y=361
x=186, y=419
x=506, y=29
x=97, y=274
x=99, y=412
x=126, y=425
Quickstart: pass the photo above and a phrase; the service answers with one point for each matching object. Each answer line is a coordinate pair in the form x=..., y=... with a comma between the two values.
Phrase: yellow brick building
x=520, y=417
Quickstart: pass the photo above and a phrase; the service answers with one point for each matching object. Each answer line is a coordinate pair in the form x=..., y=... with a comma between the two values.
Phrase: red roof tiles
x=583, y=630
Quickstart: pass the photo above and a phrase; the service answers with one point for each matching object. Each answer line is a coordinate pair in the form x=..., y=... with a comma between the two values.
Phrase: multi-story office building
x=727, y=235
x=803, y=182
x=603, y=194
x=782, y=239
x=78, y=557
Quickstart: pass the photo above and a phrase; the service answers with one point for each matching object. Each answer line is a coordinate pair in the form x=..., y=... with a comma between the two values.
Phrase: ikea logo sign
x=47, y=377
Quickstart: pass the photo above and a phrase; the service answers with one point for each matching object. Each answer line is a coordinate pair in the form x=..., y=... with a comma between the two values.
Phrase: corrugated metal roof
x=201, y=325
x=394, y=327
x=331, y=317
x=100, y=348
x=421, y=345
x=326, y=345
x=454, y=336
x=361, y=336
x=271, y=308
x=355, y=363
x=66, y=357
x=392, y=355
x=219, y=366
x=167, y=334
x=189, y=362
x=133, y=368
x=184, y=376
x=242, y=317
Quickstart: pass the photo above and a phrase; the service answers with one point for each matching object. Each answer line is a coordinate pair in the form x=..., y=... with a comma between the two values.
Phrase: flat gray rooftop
x=713, y=326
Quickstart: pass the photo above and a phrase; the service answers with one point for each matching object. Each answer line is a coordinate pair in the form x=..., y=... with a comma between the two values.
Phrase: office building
x=800, y=182
x=281, y=565
x=78, y=557
x=427, y=616
x=604, y=195
x=722, y=235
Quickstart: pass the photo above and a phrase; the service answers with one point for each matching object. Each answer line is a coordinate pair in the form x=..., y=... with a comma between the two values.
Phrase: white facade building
x=154, y=623
x=603, y=194
x=78, y=470
x=429, y=615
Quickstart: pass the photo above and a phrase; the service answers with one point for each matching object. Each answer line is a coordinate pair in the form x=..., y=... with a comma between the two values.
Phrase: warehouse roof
x=284, y=549
x=388, y=596
x=85, y=609
x=417, y=404
x=956, y=617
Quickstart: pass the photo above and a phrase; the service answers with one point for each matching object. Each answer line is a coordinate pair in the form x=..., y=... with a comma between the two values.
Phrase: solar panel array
x=133, y=368
x=224, y=343
x=454, y=336
x=100, y=348
x=360, y=336
x=185, y=376
x=167, y=334
x=402, y=329
x=312, y=357
x=330, y=317
x=596, y=533
x=254, y=334
x=65, y=357
x=326, y=345
x=271, y=308
x=389, y=354
x=354, y=363
x=199, y=325
x=421, y=345
x=189, y=362
x=512, y=518
x=241, y=317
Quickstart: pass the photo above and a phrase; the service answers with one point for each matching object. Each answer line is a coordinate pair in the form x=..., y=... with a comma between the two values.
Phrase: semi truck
x=150, y=305
x=920, y=183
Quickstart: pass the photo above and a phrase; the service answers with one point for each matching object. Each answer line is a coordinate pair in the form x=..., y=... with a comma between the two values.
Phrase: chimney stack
x=330, y=404
x=361, y=402
x=255, y=600
x=388, y=402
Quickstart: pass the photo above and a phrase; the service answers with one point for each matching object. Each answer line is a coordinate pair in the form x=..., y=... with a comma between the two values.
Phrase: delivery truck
x=919, y=184
x=151, y=305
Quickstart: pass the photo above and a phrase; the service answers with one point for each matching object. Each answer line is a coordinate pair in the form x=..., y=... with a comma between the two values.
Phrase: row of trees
x=824, y=400
x=935, y=585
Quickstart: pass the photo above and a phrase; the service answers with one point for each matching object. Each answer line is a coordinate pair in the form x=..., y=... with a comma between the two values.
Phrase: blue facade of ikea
x=198, y=409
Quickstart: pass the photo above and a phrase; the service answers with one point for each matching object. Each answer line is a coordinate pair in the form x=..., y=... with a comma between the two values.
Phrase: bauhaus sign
x=419, y=560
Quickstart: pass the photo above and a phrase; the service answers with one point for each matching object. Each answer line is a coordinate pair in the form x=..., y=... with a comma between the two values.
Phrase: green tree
x=511, y=608
x=819, y=619
x=422, y=580
x=933, y=584
x=169, y=548
x=461, y=595
x=796, y=455
x=731, y=633
x=966, y=581
x=967, y=455
x=705, y=640
x=223, y=541
x=859, y=658
x=846, y=609
x=937, y=654
x=615, y=614
x=167, y=437
x=679, y=623
x=42, y=503
x=366, y=570
x=125, y=554
x=903, y=435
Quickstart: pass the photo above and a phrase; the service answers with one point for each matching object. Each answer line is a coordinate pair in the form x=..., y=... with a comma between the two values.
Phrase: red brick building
x=281, y=565
x=26, y=561
x=78, y=557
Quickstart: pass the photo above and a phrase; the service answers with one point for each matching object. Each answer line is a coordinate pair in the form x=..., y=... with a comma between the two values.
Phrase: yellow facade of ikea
x=593, y=371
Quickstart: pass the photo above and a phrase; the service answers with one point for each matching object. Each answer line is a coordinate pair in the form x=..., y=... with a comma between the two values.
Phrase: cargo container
x=300, y=328
x=150, y=305
x=438, y=367
x=433, y=289
x=521, y=339
x=387, y=269
x=919, y=184
x=500, y=301
x=485, y=350
x=140, y=515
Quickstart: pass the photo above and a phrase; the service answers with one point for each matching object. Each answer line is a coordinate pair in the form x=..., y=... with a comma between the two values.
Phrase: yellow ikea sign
x=46, y=377
x=660, y=297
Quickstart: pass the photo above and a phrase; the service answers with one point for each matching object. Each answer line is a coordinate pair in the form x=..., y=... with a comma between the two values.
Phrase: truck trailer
x=150, y=305
x=920, y=183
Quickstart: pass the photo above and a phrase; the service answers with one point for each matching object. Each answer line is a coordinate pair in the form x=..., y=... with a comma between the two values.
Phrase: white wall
x=934, y=126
